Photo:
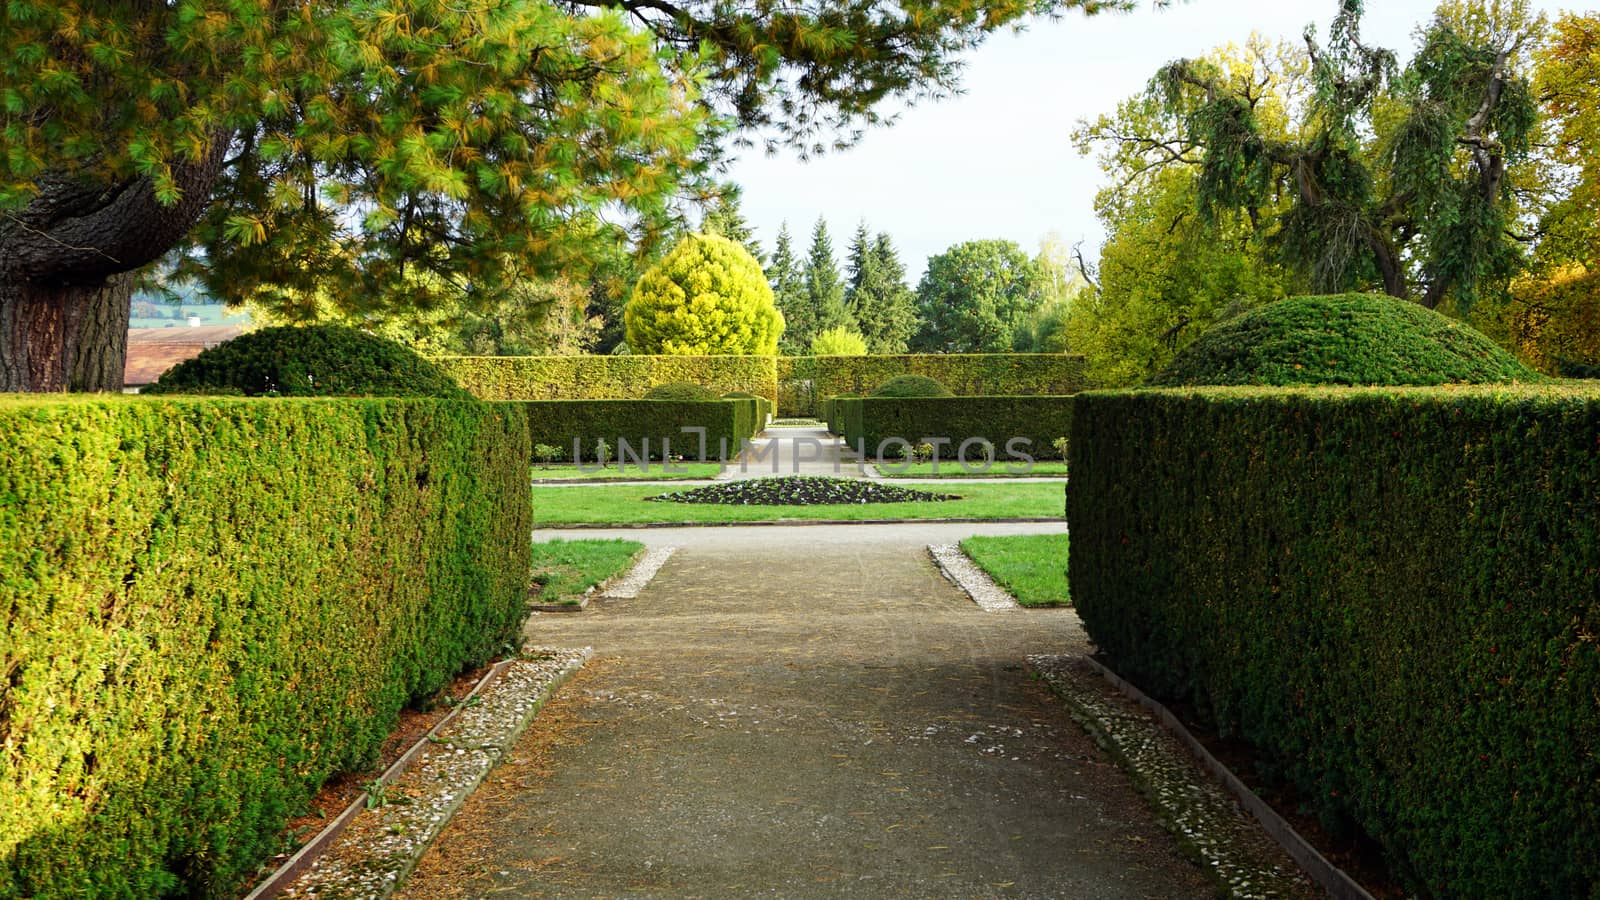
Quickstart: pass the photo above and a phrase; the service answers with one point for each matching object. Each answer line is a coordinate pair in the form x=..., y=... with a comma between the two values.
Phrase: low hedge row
x=209, y=606
x=649, y=427
x=804, y=382
x=1392, y=593
x=1016, y=428
x=607, y=377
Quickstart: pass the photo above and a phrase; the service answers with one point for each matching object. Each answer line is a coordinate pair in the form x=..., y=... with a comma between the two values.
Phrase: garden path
x=795, y=451
x=806, y=711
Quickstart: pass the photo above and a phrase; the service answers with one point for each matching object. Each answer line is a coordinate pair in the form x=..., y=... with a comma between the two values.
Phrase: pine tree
x=346, y=147
x=789, y=289
x=825, y=286
x=884, y=306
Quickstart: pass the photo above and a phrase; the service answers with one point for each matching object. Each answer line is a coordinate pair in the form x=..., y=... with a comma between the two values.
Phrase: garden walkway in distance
x=806, y=711
x=813, y=451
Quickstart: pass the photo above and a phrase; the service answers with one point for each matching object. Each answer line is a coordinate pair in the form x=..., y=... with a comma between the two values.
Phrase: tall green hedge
x=1393, y=593
x=873, y=424
x=648, y=426
x=607, y=377
x=209, y=606
x=805, y=381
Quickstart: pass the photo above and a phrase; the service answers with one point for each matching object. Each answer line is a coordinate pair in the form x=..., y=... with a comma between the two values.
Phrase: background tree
x=789, y=291
x=320, y=144
x=1166, y=275
x=1553, y=317
x=883, y=306
x=1060, y=282
x=707, y=296
x=1402, y=183
x=976, y=297
x=824, y=285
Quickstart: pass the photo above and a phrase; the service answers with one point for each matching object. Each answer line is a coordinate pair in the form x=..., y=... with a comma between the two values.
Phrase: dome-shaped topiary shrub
x=1342, y=339
x=309, y=361
x=707, y=296
x=911, y=386
x=683, y=391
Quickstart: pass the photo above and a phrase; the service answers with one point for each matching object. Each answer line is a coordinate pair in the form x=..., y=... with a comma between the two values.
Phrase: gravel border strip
x=373, y=856
x=959, y=568
x=311, y=850
x=1330, y=877
x=1230, y=845
x=628, y=586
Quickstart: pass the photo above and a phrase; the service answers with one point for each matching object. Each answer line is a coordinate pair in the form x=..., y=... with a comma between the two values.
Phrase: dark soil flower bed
x=800, y=490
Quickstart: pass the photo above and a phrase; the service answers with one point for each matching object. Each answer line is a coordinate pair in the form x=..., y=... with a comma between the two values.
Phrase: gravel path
x=806, y=712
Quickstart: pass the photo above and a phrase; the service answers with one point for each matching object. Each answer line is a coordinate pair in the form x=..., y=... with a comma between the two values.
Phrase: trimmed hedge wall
x=607, y=377
x=869, y=422
x=209, y=606
x=1393, y=593
x=805, y=381
x=798, y=384
x=559, y=423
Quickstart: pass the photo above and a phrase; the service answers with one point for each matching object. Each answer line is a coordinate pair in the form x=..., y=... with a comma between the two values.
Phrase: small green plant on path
x=625, y=504
x=655, y=471
x=950, y=468
x=563, y=570
x=1033, y=567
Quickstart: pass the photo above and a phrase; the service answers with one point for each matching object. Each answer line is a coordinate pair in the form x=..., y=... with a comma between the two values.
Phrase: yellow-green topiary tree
x=838, y=342
x=707, y=296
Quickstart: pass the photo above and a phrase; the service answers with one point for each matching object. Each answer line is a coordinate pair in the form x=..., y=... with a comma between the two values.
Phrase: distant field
x=174, y=316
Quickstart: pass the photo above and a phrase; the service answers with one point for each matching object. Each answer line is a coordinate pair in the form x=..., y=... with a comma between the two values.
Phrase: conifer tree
x=883, y=304
x=724, y=218
x=789, y=290
x=824, y=285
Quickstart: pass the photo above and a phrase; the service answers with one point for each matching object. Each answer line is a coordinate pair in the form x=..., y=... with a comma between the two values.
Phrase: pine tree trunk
x=64, y=337
x=67, y=264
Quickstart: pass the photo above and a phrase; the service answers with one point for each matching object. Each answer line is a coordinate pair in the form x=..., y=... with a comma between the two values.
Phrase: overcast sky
x=997, y=162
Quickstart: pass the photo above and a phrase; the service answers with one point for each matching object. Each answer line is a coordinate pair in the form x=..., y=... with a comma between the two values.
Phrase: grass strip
x=625, y=504
x=1032, y=567
x=564, y=569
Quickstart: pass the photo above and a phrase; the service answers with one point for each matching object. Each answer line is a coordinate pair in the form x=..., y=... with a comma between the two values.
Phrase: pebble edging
x=967, y=575
x=628, y=586
x=1229, y=844
x=373, y=856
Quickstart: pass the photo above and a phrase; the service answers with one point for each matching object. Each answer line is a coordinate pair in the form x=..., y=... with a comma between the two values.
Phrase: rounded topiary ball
x=708, y=296
x=911, y=386
x=309, y=361
x=682, y=391
x=1353, y=339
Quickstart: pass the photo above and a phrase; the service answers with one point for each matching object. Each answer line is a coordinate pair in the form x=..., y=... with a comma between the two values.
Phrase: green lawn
x=953, y=469
x=654, y=471
x=564, y=569
x=1033, y=567
x=624, y=504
